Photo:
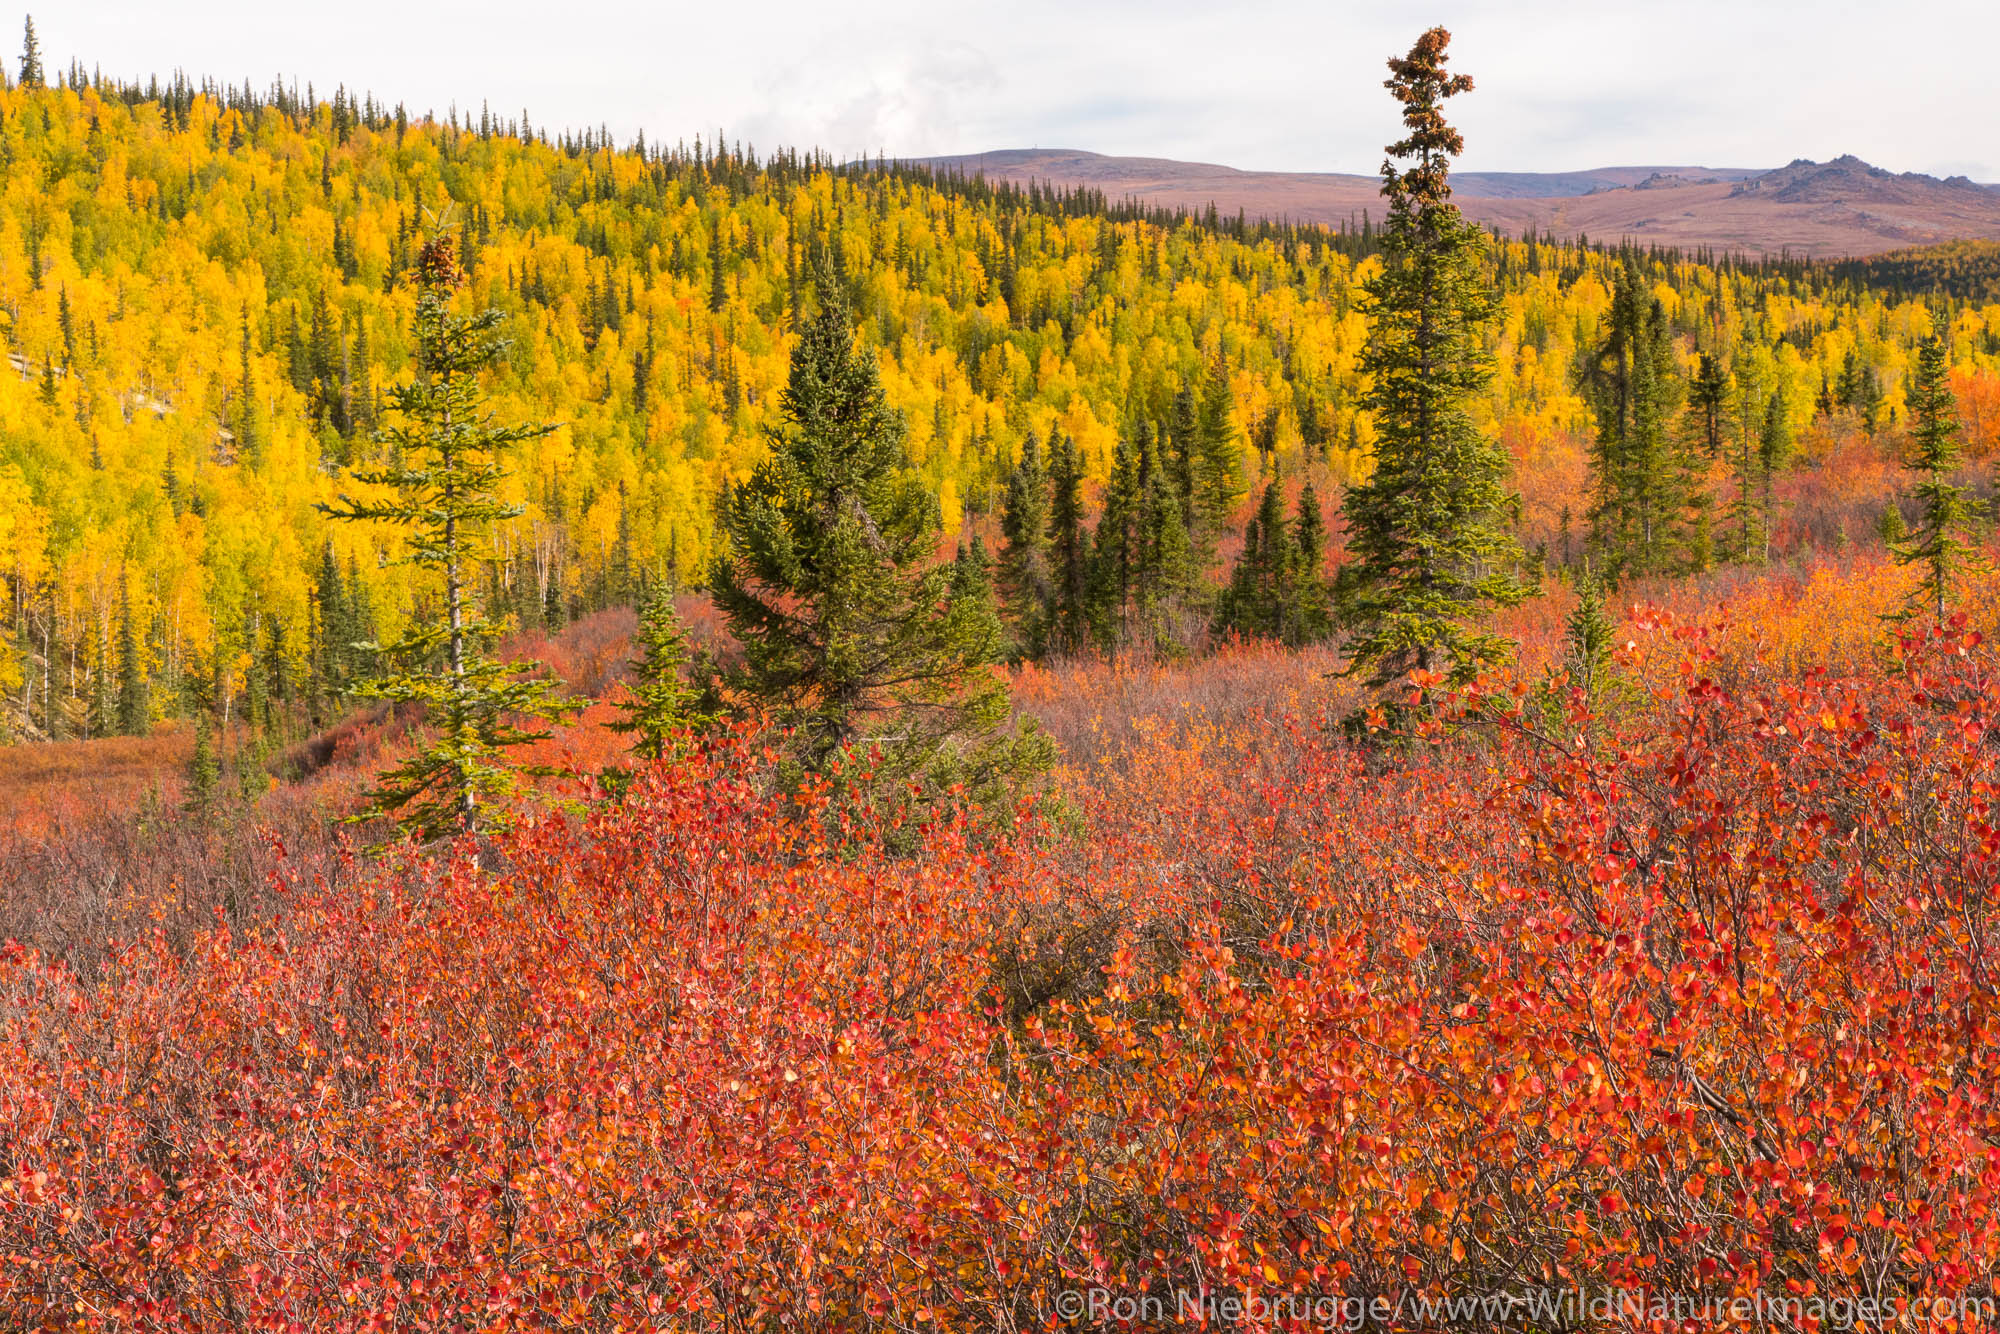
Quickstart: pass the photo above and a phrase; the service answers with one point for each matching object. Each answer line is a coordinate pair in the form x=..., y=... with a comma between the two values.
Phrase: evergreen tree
x=1168, y=580
x=248, y=445
x=1430, y=549
x=1937, y=544
x=1309, y=614
x=1708, y=404
x=204, y=772
x=1027, y=580
x=1259, y=587
x=31, y=58
x=1746, y=463
x=852, y=633
x=718, y=280
x=1774, y=451
x=1701, y=441
x=1182, y=429
x=1115, y=549
x=1892, y=525
x=664, y=705
x=134, y=708
x=1216, y=466
x=1590, y=636
x=1636, y=475
x=1069, y=547
x=448, y=465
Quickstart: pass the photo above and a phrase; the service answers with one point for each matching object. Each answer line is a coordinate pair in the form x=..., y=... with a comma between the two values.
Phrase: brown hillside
x=1842, y=207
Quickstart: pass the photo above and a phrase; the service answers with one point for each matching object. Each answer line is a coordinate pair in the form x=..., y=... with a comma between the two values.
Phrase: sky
x=1284, y=86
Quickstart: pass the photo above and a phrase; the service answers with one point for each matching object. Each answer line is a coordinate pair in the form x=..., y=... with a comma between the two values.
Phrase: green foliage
x=1588, y=637
x=1937, y=545
x=32, y=75
x=1308, y=616
x=1260, y=587
x=1069, y=548
x=1430, y=549
x=443, y=482
x=1774, y=452
x=1587, y=674
x=854, y=635
x=1215, y=466
x=1027, y=578
x=134, y=705
x=1637, y=474
x=1143, y=571
x=666, y=706
x=204, y=773
x=1892, y=527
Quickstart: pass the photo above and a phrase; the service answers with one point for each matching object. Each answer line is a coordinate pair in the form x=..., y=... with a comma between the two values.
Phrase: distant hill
x=1840, y=208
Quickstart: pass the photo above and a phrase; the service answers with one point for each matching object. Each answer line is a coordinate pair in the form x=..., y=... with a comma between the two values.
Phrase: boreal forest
x=610, y=734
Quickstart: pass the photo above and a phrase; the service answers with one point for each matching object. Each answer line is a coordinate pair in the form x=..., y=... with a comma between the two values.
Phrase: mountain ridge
x=1843, y=207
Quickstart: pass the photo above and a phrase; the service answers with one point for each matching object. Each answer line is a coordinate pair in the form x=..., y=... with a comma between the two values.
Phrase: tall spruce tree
x=1700, y=445
x=1746, y=463
x=1260, y=585
x=1216, y=482
x=31, y=57
x=1069, y=548
x=1165, y=579
x=1308, y=616
x=1636, y=474
x=1116, y=548
x=1027, y=581
x=448, y=463
x=1430, y=546
x=853, y=633
x=134, y=706
x=1774, y=451
x=1937, y=544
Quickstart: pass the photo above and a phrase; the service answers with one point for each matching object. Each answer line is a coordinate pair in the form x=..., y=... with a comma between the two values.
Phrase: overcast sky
x=1292, y=86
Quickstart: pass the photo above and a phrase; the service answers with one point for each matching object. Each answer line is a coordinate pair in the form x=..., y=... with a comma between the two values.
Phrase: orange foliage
x=1690, y=1000
x=1978, y=409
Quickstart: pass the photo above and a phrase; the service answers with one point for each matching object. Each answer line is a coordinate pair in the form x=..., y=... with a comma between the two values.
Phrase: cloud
x=1273, y=84
x=907, y=102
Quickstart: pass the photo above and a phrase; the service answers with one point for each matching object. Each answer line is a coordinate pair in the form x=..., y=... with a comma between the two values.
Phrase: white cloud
x=1282, y=85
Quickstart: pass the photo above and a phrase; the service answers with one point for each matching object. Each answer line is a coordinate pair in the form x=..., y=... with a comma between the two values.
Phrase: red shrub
x=1697, y=1005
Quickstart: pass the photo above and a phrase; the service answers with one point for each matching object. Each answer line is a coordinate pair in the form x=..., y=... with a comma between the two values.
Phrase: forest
x=205, y=293
x=638, y=737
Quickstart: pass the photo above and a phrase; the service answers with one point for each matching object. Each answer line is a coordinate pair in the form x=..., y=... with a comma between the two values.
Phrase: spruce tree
x=1700, y=444
x=1774, y=451
x=1891, y=525
x=853, y=634
x=1746, y=509
x=1069, y=547
x=448, y=463
x=204, y=772
x=1259, y=587
x=1115, y=549
x=1937, y=544
x=664, y=705
x=1182, y=429
x=31, y=58
x=1308, y=615
x=134, y=708
x=1636, y=474
x=1430, y=547
x=248, y=444
x=1590, y=635
x=1168, y=578
x=1027, y=581
x=1216, y=465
